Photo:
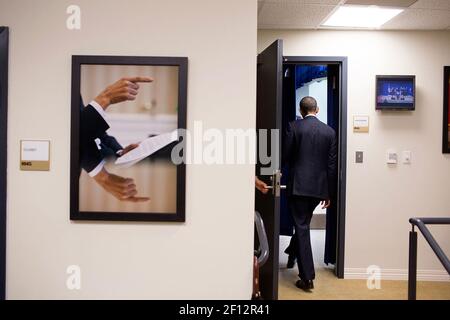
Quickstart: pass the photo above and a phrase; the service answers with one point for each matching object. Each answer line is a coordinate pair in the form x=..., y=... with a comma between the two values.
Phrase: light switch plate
x=359, y=157
x=407, y=157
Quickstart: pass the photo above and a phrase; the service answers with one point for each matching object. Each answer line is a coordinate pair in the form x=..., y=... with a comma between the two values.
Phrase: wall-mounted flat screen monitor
x=395, y=92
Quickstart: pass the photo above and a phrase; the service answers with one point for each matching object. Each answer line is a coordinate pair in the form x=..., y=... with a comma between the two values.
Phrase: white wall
x=317, y=88
x=209, y=256
x=380, y=199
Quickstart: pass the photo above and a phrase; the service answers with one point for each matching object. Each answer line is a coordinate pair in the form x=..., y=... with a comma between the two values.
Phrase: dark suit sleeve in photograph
x=92, y=126
x=90, y=156
x=110, y=145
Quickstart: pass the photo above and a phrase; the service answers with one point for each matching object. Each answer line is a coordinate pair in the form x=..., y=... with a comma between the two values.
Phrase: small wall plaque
x=361, y=124
x=34, y=155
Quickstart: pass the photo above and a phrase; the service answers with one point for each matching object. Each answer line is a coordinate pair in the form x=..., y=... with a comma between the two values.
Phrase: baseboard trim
x=398, y=274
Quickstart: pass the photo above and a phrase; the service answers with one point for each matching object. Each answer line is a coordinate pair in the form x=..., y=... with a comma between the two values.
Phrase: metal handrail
x=263, y=251
x=421, y=223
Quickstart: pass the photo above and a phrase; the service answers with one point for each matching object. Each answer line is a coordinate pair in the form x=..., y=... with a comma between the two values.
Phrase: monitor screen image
x=395, y=92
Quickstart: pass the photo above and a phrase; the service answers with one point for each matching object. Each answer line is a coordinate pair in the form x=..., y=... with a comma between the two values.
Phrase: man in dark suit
x=310, y=153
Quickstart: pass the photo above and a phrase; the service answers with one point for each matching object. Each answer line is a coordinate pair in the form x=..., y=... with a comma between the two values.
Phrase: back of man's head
x=308, y=105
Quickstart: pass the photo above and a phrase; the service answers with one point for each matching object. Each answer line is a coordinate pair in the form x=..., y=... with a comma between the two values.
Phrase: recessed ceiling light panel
x=361, y=16
x=385, y=3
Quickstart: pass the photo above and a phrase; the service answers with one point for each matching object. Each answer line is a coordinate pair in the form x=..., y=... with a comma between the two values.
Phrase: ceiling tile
x=388, y=3
x=432, y=4
x=308, y=14
x=292, y=15
x=420, y=19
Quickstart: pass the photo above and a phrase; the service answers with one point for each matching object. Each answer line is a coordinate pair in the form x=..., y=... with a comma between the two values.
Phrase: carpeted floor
x=327, y=286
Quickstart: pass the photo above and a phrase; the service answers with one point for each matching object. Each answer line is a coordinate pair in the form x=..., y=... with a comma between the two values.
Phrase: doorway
x=320, y=78
x=281, y=82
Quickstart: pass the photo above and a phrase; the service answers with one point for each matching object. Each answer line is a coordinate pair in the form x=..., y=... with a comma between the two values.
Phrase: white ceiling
x=309, y=14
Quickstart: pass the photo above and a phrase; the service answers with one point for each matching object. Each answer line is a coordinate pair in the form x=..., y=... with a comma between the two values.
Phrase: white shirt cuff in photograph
x=99, y=109
x=97, y=169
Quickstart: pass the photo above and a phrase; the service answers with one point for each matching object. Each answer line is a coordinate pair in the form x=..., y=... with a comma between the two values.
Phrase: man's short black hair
x=308, y=105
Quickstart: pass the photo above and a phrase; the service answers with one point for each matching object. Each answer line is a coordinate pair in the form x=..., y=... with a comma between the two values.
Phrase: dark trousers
x=302, y=210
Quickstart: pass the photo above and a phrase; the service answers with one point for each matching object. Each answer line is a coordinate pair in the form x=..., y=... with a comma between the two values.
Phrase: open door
x=269, y=116
x=333, y=110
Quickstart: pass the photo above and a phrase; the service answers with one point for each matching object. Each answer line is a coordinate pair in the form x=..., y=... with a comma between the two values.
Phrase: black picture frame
x=77, y=62
x=446, y=110
x=399, y=107
x=4, y=50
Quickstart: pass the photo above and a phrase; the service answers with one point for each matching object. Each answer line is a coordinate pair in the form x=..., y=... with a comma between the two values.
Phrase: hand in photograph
x=128, y=149
x=125, y=89
x=124, y=189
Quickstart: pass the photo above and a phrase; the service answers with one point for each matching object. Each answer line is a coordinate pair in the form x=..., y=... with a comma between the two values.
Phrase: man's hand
x=261, y=185
x=325, y=203
x=121, y=188
x=128, y=149
x=123, y=90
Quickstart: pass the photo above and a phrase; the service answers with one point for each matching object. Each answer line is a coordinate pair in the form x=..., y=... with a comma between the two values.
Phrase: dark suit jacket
x=311, y=154
x=93, y=126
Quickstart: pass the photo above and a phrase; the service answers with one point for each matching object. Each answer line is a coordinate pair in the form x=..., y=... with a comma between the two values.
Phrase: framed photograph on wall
x=126, y=117
x=446, y=116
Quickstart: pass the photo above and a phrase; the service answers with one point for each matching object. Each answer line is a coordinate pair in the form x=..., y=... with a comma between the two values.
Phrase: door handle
x=281, y=186
x=276, y=183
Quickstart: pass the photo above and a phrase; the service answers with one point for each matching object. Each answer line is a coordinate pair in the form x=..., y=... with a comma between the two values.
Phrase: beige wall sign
x=35, y=155
x=361, y=124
